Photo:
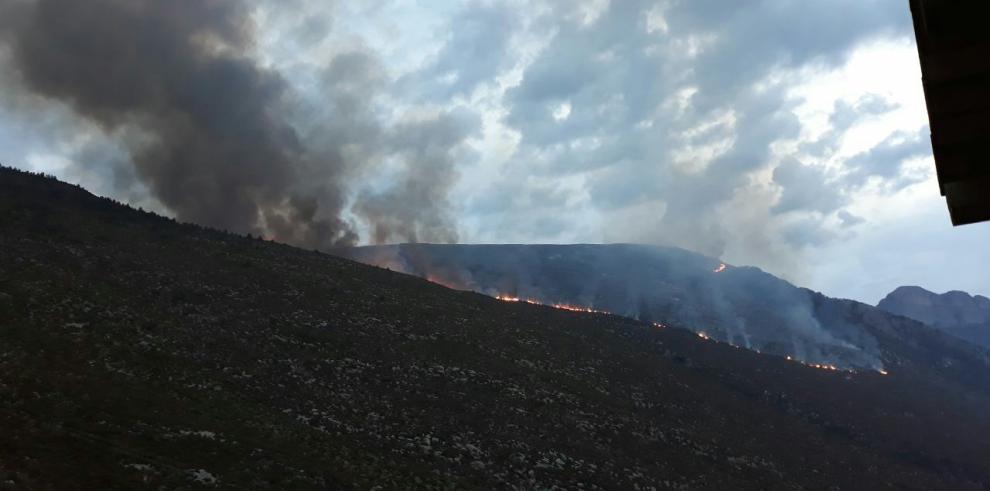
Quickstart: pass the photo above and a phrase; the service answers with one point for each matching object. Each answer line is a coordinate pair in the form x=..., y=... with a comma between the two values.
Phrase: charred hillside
x=743, y=306
x=141, y=352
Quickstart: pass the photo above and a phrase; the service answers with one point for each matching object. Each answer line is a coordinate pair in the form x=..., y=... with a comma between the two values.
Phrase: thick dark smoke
x=215, y=141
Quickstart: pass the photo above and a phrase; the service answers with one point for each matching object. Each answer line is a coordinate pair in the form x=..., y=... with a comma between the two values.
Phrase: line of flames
x=561, y=306
x=702, y=335
x=820, y=366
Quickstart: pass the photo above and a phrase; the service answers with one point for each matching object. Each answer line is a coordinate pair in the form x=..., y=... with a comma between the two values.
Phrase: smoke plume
x=429, y=172
x=740, y=305
x=210, y=130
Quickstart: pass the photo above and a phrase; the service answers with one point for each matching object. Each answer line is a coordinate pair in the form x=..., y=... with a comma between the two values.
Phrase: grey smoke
x=216, y=136
x=430, y=158
x=740, y=305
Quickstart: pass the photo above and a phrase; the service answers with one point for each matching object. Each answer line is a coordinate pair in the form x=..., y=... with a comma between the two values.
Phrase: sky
x=790, y=135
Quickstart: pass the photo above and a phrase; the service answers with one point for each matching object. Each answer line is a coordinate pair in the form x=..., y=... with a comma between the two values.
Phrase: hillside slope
x=957, y=313
x=743, y=306
x=139, y=352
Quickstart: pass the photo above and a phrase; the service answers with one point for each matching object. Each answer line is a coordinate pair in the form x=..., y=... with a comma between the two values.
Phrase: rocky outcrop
x=958, y=313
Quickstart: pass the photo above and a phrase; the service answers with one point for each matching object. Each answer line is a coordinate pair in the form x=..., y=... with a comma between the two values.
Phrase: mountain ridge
x=741, y=305
x=955, y=312
x=144, y=353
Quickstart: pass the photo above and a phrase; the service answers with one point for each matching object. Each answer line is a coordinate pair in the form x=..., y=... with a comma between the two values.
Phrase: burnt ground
x=140, y=352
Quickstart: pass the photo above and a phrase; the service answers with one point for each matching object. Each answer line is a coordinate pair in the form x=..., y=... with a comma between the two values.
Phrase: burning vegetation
x=701, y=334
x=734, y=305
x=199, y=325
x=561, y=306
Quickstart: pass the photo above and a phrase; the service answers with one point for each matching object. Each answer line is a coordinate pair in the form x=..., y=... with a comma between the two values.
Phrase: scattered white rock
x=202, y=476
x=209, y=435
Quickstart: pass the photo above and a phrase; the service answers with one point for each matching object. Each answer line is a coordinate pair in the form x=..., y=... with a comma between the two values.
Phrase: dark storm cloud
x=222, y=140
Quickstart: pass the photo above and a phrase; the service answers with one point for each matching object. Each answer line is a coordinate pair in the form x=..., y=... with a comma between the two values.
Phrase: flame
x=576, y=308
x=561, y=306
x=517, y=299
x=701, y=334
x=441, y=282
x=833, y=368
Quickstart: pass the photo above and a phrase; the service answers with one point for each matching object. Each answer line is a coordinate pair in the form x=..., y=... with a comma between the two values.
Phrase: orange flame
x=517, y=299
x=701, y=334
x=721, y=267
x=441, y=282
x=561, y=306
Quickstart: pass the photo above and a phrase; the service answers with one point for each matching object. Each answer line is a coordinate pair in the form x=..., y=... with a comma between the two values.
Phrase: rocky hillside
x=958, y=313
x=138, y=352
x=743, y=306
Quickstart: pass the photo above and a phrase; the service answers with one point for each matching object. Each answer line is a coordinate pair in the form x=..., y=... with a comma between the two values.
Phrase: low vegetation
x=140, y=352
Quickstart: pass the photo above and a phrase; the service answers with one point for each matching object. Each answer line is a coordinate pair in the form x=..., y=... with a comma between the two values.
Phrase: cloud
x=474, y=53
x=848, y=219
x=760, y=131
x=808, y=232
x=844, y=116
x=805, y=188
x=686, y=115
x=886, y=160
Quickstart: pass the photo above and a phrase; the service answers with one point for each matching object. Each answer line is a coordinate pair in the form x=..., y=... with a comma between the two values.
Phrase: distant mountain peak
x=955, y=312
